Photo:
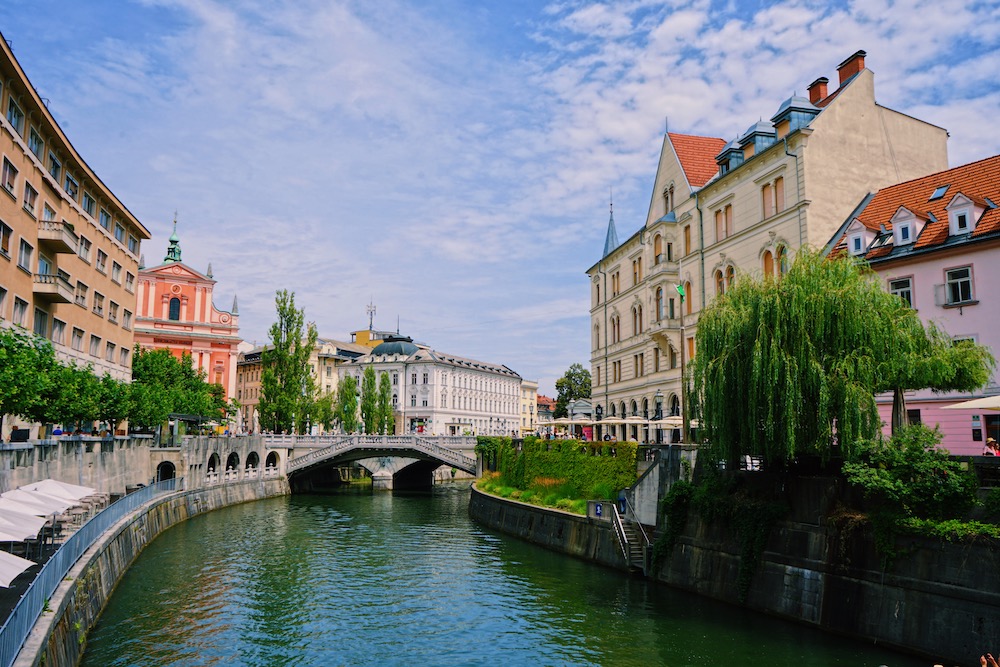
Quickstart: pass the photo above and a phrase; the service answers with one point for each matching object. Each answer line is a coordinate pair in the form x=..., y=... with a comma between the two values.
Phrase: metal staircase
x=633, y=541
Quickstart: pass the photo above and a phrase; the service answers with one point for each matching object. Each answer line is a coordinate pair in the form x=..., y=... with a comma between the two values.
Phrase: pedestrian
x=991, y=449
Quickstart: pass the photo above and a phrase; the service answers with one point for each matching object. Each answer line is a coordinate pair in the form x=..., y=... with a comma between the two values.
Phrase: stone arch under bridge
x=393, y=461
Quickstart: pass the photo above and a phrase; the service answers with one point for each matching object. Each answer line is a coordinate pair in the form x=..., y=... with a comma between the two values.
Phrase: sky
x=451, y=162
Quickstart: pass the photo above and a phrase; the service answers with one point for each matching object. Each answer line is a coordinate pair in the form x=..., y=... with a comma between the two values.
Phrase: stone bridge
x=392, y=460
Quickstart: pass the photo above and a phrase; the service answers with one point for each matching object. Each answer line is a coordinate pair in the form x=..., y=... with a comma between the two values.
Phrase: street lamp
x=658, y=399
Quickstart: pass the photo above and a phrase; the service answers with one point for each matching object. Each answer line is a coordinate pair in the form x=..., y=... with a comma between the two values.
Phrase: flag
x=680, y=290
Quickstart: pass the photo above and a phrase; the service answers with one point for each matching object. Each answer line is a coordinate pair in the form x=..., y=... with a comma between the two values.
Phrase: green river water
x=384, y=579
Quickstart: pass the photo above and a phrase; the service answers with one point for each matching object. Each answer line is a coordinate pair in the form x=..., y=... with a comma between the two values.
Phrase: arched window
x=657, y=249
x=635, y=408
x=720, y=285
x=637, y=320
x=730, y=276
x=175, y=309
x=660, y=311
x=613, y=409
x=597, y=336
x=768, y=264
x=782, y=257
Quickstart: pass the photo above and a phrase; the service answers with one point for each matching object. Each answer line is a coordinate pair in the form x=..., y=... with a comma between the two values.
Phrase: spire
x=142, y=262
x=174, y=249
x=611, y=241
x=209, y=272
x=236, y=308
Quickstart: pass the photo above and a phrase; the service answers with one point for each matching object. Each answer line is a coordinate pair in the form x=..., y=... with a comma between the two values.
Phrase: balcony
x=52, y=288
x=57, y=236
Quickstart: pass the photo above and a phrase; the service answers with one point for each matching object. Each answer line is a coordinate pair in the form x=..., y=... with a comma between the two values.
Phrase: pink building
x=936, y=243
x=176, y=312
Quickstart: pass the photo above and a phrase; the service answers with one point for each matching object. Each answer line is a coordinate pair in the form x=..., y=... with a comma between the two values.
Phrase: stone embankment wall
x=938, y=600
x=59, y=636
x=572, y=534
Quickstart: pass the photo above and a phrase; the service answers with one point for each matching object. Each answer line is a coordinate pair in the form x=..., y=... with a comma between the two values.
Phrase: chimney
x=817, y=90
x=851, y=66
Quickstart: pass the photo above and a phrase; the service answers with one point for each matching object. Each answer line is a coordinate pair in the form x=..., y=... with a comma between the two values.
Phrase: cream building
x=529, y=404
x=720, y=210
x=436, y=393
x=69, y=248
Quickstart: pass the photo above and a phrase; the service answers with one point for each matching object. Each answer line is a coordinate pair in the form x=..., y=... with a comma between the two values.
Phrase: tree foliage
x=162, y=384
x=26, y=367
x=785, y=366
x=574, y=384
x=369, y=401
x=387, y=423
x=346, y=411
x=287, y=385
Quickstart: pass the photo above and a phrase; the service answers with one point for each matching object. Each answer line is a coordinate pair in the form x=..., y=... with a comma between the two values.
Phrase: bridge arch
x=213, y=462
x=233, y=461
x=166, y=470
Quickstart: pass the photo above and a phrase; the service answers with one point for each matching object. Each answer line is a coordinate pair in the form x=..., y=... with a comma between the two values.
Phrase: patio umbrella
x=985, y=403
x=11, y=566
x=673, y=421
x=60, y=489
x=43, y=501
x=24, y=526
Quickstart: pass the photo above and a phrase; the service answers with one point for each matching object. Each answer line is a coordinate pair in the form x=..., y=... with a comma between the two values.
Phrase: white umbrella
x=8, y=505
x=11, y=566
x=985, y=403
x=636, y=419
x=60, y=489
x=26, y=526
x=48, y=504
x=673, y=421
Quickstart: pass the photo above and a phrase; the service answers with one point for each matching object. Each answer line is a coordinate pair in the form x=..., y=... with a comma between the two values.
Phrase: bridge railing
x=426, y=446
x=22, y=619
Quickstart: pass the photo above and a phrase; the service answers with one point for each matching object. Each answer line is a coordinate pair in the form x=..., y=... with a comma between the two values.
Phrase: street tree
x=386, y=422
x=114, y=401
x=74, y=400
x=346, y=411
x=26, y=364
x=287, y=385
x=323, y=409
x=369, y=401
x=791, y=366
x=574, y=384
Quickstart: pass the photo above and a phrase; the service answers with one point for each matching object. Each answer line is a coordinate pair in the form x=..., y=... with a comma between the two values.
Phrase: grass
x=544, y=492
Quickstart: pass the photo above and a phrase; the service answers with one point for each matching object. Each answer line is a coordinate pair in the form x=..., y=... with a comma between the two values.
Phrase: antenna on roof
x=397, y=324
x=666, y=124
x=371, y=313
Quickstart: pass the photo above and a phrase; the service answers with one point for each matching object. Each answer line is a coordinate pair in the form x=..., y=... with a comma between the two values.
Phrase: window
x=690, y=343
x=395, y=379
x=904, y=233
x=24, y=256
x=55, y=167
x=98, y=304
x=597, y=336
x=119, y=232
x=15, y=115
x=71, y=186
x=9, y=177
x=768, y=264
x=35, y=144
x=637, y=320
x=95, y=345
x=903, y=288
x=30, y=198
x=720, y=284
x=77, y=342
x=126, y=320
x=656, y=360
x=116, y=272
x=767, y=200
x=938, y=192
x=425, y=378
x=102, y=261
x=5, y=233
x=673, y=358
x=89, y=205
x=58, y=331
x=856, y=244
x=20, y=311
x=129, y=281
x=782, y=256
x=175, y=309
x=413, y=400
x=423, y=402
x=660, y=305
x=109, y=352
x=636, y=270
x=687, y=239
x=779, y=195
x=123, y=358
x=639, y=363
x=113, y=312
x=48, y=213
x=729, y=220
x=44, y=265
x=133, y=245
x=597, y=376
x=730, y=276
x=81, y=294
x=658, y=249
x=959, y=285
x=687, y=300
x=83, y=249
x=615, y=283
x=105, y=219
x=616, y=371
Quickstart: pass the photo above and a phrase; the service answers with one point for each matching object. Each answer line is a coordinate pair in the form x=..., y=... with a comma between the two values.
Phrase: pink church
x=176, y=312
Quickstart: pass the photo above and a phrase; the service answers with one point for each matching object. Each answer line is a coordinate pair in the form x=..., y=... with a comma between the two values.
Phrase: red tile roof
x=977, y=181
x=697, y=156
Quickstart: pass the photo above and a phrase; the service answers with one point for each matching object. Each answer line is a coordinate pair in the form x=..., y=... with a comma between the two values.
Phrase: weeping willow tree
x=787, y=367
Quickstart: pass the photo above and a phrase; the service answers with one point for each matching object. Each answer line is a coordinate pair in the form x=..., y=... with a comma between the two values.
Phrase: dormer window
x=856, y=243
x=904, y=233
x=962, y=213
x=962, y=222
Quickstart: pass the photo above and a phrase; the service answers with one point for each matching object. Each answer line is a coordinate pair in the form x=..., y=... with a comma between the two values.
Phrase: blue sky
x=451, y=161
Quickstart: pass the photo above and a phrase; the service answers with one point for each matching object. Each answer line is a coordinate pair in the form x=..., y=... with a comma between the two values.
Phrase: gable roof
x=979, y=181
x=177, y=270
x=697, y=156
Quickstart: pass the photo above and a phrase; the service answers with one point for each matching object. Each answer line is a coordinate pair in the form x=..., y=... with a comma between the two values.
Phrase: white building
x=437, y=393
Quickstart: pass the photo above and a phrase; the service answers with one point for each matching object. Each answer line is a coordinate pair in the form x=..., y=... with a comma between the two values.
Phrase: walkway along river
x=391, y=579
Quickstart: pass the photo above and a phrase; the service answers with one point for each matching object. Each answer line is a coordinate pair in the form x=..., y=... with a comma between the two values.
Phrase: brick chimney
x=851, y=66
x=817, y=90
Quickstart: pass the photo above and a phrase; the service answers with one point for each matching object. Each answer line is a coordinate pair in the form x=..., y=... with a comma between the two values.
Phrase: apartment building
x=721, y=209
x=69, y=248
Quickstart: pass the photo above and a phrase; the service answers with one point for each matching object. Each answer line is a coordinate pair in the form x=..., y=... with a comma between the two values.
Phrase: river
x=391, y=579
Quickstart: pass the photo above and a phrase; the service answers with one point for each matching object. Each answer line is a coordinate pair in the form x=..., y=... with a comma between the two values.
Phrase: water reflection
x=402, y=580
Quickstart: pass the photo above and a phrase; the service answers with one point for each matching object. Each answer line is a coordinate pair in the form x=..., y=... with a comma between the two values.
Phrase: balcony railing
x=53, y=288
x=58, y=236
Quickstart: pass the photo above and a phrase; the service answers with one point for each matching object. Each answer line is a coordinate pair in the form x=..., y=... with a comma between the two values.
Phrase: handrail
x=389, y=442
x=22, y=619
x=642, y=530
x=620, y=532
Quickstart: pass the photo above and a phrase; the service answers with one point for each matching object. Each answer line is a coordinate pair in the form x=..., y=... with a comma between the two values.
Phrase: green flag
x=680, y=290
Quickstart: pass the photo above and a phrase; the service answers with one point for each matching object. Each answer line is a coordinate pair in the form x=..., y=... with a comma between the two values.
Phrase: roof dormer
x=859, y=238
x=963, y=211
x=906, y=227
x=730, y=157
x=758, y=138
x=793, y=114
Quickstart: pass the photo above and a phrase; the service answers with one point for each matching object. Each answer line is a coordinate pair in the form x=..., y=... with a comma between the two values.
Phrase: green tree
x=26, y=364
x=323, y=409
x=163, y=384
x=369, y=401
x=287, y=385
x=347, y=404
x=574, y=384
x=74, y=399
x=785, y=366
x=114, y=401
x=387, y=423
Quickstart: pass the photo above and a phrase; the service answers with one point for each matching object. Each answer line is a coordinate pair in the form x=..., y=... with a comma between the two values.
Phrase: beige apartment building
x=722, y=209
x=69, y=248
x=529, y=405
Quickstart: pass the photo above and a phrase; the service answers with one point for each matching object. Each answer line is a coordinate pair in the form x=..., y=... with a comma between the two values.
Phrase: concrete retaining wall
x=59, y=636
x=571, y=534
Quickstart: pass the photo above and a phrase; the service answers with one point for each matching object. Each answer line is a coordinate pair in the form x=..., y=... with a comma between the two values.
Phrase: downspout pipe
x=798, y=194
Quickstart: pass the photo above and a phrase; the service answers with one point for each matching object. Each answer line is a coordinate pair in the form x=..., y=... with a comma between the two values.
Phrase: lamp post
x=684, y=424
x=658, y=398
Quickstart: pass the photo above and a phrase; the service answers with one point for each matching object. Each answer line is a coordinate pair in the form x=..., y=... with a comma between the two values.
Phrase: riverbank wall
x=935, y=599
x=59, y=636
x=580, y=536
